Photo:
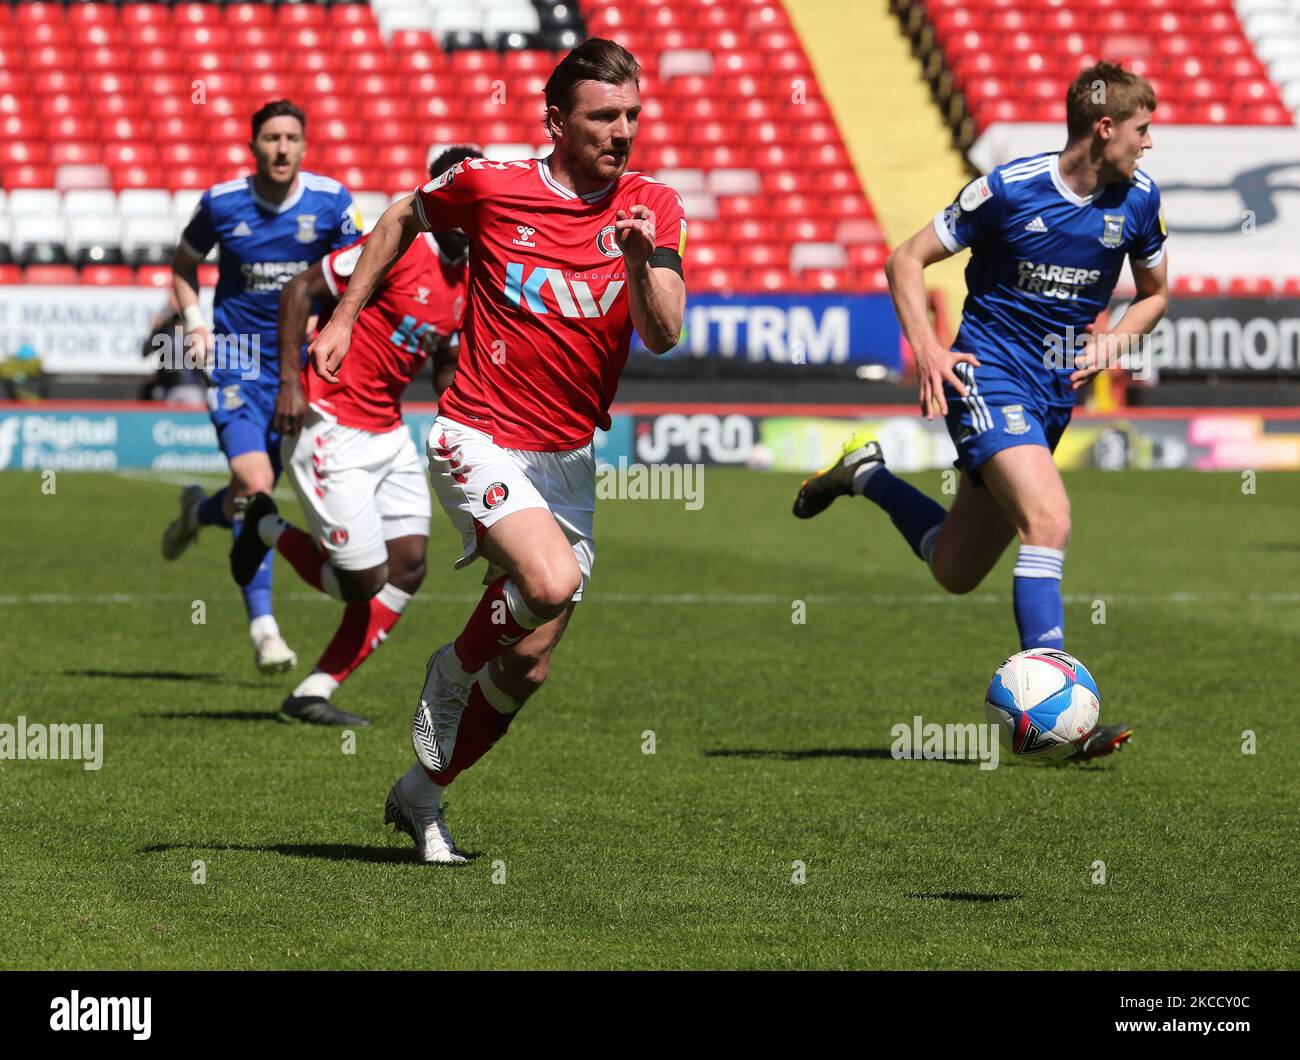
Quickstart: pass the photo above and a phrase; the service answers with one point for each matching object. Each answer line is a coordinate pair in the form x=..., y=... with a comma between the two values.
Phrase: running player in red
x=351, y=460
x=567, y=254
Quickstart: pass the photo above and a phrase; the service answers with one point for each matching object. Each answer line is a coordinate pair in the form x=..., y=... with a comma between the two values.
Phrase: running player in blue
x=1048, y=237
x=270, y=227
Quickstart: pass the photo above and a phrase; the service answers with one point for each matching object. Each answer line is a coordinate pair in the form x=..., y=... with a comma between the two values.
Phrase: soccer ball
x=1044, y=702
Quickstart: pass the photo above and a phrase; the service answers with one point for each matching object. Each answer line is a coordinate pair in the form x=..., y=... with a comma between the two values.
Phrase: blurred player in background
x=270, y=227
x=349, y=456
x=1048, y=236
x=567, y=254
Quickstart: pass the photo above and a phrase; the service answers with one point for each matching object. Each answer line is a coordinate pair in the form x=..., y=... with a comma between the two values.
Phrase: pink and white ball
x=1044, y=702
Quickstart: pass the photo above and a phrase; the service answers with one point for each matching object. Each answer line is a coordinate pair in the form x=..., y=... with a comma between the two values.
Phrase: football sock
x=1040, y=611
x=500, y=619
x=316, y=684
x=257, y=593
x=915, y=514
x=211, y=510
x=300, y=550
x=488, y=715
x=420, y=791
x=365, y=625
x=262, y=627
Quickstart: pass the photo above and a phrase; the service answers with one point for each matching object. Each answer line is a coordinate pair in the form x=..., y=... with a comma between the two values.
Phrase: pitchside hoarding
x=111, y=437
x=102, y=330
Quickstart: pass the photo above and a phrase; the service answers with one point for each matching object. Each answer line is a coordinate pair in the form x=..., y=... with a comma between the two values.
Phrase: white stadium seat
x=685, y=62
x=67, y=177
x=507, y=152
x=817, y=256
x=146, y=232
x=735, y=182
x=515, y=18
x=371, y=204
x=82, y=202
x=29, y=228
x=141, y=202
x=25, y=202
x=700, y=206
x=183, y=204
x=457, y=18
x=683, y=180
x=407, y=15
x=88, y=230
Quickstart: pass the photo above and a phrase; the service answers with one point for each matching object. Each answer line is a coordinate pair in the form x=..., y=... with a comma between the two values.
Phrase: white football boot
x=427, y=826
x=437, y=715
x=274, y=656
x=180, y=534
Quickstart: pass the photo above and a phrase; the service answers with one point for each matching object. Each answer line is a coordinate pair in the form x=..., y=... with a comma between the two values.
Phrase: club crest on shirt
x=338, y=537
x=495, y=495
x=231, y=398
x=306, y=228
x=607, y=242
x=1014, y=418
x=1112, y=234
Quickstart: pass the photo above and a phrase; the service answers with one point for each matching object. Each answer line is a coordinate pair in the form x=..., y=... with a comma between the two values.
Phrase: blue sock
x=1040, y=612
x=257, y=593
x=917, y=517
x=211, y=510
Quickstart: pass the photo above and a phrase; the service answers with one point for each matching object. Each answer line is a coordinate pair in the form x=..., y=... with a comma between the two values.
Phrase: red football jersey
x=547, y=327
x=420, y=302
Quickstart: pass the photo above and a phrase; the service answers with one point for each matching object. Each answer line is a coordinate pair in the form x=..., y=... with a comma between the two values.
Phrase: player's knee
x=1048, y=529
x=409, y=577
x=249, y=483
x=357, y=586
x=548, y=589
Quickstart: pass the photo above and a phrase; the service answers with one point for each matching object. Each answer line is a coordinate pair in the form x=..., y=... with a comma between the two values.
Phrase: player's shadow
x=324, y=851
x=800, y=754
x=213, y=715
x=965, y=896
x=162, y=675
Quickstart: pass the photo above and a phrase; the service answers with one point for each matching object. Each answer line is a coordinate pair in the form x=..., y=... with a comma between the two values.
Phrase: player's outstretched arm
x=905, y=271
x=296, y=300
x=391, y=238
x=185, y=287
x=656, y=296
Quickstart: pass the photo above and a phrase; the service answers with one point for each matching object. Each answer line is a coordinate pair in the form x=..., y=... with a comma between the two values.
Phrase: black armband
x=666, y=258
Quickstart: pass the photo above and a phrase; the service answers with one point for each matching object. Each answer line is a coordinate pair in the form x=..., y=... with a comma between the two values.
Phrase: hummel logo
x=242, y=229
x=1036, y=225
x=525, y=235
x=1055, y=633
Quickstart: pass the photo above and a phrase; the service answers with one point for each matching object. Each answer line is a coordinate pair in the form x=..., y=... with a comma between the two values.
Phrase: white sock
x=928, y=542
x=393, y=598
x=450, y=668
x=419, y=790
x=262, y=627
x=316, y=683
x=863, y=473
x=500, y=701
x=269, y=529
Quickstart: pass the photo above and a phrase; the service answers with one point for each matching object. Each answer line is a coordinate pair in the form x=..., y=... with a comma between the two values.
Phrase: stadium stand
x=145, y=104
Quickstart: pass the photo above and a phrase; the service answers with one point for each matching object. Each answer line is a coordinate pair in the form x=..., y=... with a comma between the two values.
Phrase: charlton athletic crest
x=495, y=495
x=338, y=537
x=607, y=243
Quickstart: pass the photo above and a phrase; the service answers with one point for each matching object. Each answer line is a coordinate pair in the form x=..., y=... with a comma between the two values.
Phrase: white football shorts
x=478, y=482
x=359, y=489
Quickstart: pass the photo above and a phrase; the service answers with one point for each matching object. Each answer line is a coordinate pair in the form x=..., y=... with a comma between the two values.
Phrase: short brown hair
x=278, y=108
x=595, y=59
x=1105, y=90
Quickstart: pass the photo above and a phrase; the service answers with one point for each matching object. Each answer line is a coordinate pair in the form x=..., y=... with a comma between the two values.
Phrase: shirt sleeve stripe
x=945, y=237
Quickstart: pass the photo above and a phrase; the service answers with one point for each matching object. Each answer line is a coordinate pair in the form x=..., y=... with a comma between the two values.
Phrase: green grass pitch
x=771, y=748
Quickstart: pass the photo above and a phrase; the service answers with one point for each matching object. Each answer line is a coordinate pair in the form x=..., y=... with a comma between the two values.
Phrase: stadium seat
x=60, y=275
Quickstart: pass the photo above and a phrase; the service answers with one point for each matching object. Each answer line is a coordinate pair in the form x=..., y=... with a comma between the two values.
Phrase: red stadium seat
x=27, y=177
x=108, y=275
x=182, y=177
x=138, y=177
x=312, y=15
x=52, y=275
x=83, y=16
x=75, y=153
x=10, y=274
x=1252, y=286
x=241, y=15
x=196, y=14
x=154, y=276
x=182, y=153
x=22, y=152
x=1196, y=285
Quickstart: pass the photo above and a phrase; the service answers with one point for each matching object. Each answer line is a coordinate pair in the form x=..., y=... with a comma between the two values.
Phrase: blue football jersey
x=1043, y=260
x=263, y=246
